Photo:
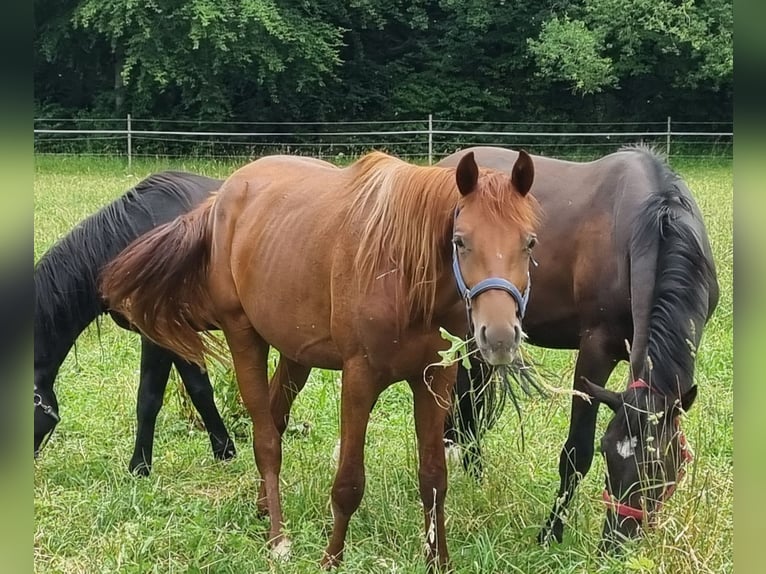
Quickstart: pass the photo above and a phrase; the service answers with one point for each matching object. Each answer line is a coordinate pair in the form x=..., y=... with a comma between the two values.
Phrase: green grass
x=196, y=515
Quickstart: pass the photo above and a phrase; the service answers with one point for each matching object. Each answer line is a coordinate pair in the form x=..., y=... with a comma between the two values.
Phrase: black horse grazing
x=624, y=258
x=67, y=300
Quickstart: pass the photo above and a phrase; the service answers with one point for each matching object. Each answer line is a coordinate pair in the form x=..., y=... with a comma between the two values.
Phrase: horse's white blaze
x=282, y=550
x=627, y=447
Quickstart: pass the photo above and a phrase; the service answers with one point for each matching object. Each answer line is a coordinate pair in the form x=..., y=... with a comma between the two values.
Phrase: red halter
x=627, y=511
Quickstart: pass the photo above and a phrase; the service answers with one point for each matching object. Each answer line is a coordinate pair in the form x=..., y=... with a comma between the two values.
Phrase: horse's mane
x=654, y=153
x=66, y=276
x=404, y=213
x=685, y=276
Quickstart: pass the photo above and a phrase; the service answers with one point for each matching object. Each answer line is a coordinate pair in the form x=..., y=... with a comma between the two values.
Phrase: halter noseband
x=639, y=514
x=486, y=284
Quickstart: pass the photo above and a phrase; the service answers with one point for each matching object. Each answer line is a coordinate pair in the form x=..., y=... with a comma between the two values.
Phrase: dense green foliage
x=502, y=60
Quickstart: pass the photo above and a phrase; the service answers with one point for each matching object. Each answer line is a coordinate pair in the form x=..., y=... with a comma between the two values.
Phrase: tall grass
x=195, y=515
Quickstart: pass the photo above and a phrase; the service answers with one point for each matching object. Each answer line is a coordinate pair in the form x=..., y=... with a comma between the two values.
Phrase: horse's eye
x=531, y=242
x=458, y=241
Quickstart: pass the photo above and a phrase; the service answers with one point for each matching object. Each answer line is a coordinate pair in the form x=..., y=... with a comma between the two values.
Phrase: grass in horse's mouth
x=504, y=381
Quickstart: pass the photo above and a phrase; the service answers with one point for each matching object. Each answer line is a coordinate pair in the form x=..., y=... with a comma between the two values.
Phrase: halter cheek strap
x=639, y=514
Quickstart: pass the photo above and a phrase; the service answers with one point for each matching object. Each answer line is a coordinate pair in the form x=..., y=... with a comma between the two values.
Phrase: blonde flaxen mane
x=403, y=214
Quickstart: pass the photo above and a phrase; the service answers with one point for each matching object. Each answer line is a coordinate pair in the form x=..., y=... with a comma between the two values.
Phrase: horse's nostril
x=482, y=335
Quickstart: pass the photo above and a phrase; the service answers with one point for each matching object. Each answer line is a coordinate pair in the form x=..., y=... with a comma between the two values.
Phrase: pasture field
x=196, y=515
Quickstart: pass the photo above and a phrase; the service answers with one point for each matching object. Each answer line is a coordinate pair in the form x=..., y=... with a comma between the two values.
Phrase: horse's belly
x=304, y=337
x=321, y=354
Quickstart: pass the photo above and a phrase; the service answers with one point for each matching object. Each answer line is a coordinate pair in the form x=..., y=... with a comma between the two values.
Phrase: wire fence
x=428, y=138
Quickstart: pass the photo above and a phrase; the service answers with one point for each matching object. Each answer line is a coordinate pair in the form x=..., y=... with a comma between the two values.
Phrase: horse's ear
x=523, y=173
x=609, y=398
x=467, y=174
x=687, y=400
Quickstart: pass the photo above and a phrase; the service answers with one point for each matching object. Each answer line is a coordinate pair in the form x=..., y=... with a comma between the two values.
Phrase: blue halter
x=486, y=284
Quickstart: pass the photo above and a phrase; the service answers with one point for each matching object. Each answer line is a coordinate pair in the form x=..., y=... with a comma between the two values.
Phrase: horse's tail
x=160, y=283
x=673, y=285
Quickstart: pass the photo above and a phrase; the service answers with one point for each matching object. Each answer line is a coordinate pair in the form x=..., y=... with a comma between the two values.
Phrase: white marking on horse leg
x=282, y=550
x=627, y=447
x=432, y=540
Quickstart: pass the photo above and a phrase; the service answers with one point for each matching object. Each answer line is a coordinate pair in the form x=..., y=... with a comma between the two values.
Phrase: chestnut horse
x=623, y=256
x=363, y=284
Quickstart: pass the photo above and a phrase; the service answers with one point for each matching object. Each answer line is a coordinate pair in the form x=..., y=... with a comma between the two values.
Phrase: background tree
x=502, y=60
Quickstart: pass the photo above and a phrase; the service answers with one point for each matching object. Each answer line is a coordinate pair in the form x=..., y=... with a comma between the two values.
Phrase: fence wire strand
x=427, y=139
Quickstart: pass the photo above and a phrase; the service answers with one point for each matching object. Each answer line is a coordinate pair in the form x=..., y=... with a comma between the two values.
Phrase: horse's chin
x=498, y=358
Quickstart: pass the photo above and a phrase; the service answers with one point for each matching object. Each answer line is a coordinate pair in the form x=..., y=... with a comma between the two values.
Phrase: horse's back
x=588, y=208
x=164, y=196
x=276, y=223
x=67, y=297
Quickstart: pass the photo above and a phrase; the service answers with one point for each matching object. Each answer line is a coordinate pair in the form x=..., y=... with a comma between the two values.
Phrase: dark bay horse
x=362, y=284
x=67, y=300
x=623, y=257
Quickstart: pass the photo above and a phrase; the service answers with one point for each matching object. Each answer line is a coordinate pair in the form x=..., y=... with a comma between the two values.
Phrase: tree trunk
x=119, y=85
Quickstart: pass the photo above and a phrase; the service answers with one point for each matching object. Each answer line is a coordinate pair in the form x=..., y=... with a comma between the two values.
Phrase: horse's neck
x=449, y=309
x=54, y=340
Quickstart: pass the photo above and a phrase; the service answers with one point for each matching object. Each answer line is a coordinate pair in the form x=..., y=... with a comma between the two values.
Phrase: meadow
x=197, y=515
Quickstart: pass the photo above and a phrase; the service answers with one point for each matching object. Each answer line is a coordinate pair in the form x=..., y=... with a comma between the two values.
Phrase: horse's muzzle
x=499, y=342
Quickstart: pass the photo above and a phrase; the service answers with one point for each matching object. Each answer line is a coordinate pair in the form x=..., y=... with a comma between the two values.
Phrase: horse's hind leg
x=594, y=363
x=288, y=380
x=200, y=391
x=155, y=370
x=250, y=354
x=359, y=391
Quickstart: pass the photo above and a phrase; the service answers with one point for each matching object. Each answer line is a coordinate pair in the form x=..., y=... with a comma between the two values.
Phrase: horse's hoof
x=550, y=534
x=282, y=550
x=139, y=469
x=225, y=454
x=330, y=561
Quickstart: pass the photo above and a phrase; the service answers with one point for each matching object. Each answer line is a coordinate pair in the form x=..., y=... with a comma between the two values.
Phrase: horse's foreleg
x=288, y=380
x=155, y=370
x=359, y=391
x=594, y=364
x=432, y=402
x=250, y=353
x=465, y=421
x=200, y=391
